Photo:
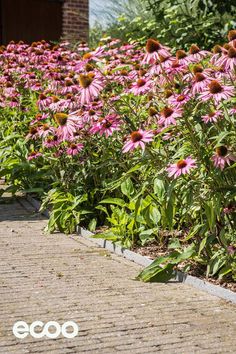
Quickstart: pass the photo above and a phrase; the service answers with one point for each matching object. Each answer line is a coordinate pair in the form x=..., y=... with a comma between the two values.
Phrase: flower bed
x=140, y=141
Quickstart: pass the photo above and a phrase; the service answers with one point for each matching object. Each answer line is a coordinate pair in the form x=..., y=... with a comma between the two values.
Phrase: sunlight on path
x=53, y=277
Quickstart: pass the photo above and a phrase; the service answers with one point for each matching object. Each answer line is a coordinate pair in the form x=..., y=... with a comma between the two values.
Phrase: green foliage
x=126, y=20
x=191, y=217
x=162, y=269
x=19, y=172
x=67, y=212
x=182, y=23
x=176, y=23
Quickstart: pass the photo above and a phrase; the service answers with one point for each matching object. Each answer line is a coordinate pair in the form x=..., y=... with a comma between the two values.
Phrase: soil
x=153, y=250
x=101, y=229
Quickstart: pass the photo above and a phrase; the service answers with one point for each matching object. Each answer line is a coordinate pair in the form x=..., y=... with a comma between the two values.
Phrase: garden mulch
x=57, y=277
x=153, y=250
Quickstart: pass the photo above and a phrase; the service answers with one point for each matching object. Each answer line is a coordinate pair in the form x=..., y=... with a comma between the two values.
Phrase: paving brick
x=62, y=278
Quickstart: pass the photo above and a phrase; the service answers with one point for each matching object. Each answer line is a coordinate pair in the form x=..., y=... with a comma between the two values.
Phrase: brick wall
x=75, y=20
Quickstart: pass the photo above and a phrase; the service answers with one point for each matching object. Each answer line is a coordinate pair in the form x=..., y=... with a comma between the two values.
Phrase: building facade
x=76, y=19
x=51, y=20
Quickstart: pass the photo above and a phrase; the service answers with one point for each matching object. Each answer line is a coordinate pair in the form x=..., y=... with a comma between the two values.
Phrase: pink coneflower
x=55, y=105
x=124, y=76
x=197, y=69
x=178, y=100
x=138, y=138
x=39, y=117
x=83, y=47
x=196, y=54
x=126, y=47
x=94, y=55
x=114, y=98
x=34, y=86
x=51, y=141
x=34, y=155
x=176, y=68
x=231, y=249
x=96, y=105
x=181, y=167
x=67, y=125
x=217, y=50
x=232, y=110
x=217, y=92
x=222, y=157
x=221, y=74
x=182, y=57
x=200, y=82
x=70, y=87
x=58, y=153
x=45, y=129
x=9, y=90
x=141, y=86
x=229, y=209
x=153, y=51
x=90, y=87
x=163, y=64
x=153, y=112
x=70, y=103
x=168, y=116
x=212, y=117
x=170, y=135
x=78, y=119
x=74, y=149
x=14, y=102
x=106, y=125
x=33, y=133
x=114, y=42
x=231, y=36
x=153, y=115
x=43, y=101
x=91, y=114
x=11, y=46
x=54, y=84
x=228, y=59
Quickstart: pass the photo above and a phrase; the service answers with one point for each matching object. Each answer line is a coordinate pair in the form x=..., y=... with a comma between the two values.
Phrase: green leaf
x=110, y=236
x=80, y=200
x=102, y=208
x=92, y=225
x=115, y=201
x=170, y=213
x=147, y=232
x=202, y=245
x=210, y=214
x=163, y=274
x=195, y=229
x=127, y=188
x=153, y=269
x=33, y=190
x=162, y=267
x=224, y=271
x=180, y=256
x=124, y=67
x=152, y=216
x=51, y=224
x=217, y=264
x=146, y=235
x=174, y=243
x=159, y=188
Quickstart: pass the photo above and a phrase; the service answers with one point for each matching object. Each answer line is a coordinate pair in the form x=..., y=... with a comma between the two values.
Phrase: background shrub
x=177, y=23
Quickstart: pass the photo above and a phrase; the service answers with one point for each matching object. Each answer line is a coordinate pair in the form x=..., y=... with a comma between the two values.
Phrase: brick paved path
x=54, y=277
